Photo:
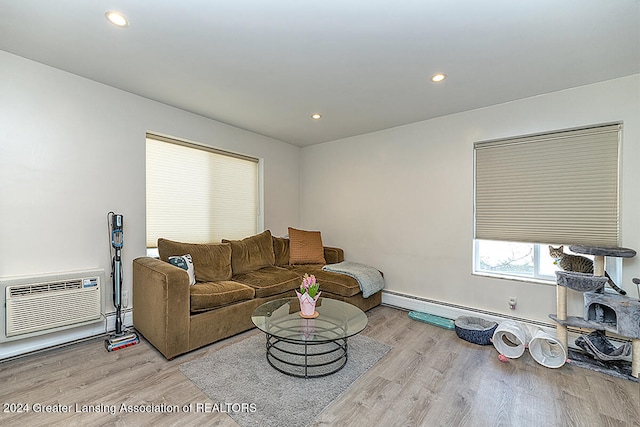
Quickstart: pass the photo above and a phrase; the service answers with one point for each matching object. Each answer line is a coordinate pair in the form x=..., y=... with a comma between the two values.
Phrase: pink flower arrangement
x=308, y=295
x=309, y=285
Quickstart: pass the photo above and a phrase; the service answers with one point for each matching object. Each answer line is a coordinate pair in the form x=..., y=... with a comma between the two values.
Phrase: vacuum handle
x=117, y=235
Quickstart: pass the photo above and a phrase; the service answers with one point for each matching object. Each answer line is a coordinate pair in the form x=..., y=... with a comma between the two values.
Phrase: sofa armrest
x=161, y=305
x=333, y=255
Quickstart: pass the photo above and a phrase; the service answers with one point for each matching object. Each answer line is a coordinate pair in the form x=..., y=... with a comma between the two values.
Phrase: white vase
x=307, y=304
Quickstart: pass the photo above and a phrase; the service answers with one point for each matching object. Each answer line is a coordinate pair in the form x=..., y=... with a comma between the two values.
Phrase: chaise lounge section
x=230, y=280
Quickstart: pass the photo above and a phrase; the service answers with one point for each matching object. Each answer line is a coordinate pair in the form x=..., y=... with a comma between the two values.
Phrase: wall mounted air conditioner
x=40, y=305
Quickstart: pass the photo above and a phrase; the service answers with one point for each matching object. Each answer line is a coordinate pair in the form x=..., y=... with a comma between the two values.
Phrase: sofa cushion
x=333, y=255
x=186, y=263
x=335, y=283
x=251, y=253
x=270, y=281
x=305, y=247
x=281, y=251
x=205, y=296
x=211, y=262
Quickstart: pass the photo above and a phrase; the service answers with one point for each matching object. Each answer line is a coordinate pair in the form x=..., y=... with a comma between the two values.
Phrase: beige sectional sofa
x=232, y=278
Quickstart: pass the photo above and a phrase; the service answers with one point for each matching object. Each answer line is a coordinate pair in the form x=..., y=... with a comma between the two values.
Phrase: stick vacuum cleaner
x=121, y=338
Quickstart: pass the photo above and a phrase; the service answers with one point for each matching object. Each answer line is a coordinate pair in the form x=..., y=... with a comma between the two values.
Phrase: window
x=559, y=187
x=197, y=194
x=526, y=261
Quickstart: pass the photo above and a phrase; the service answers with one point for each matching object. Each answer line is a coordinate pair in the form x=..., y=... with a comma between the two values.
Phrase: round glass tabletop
x=336, y=320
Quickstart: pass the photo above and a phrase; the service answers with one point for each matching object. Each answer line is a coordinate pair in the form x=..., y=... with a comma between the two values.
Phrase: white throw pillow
x=186, y=263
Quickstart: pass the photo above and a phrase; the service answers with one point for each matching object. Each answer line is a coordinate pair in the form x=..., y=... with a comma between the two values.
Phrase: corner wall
x=402, y=199
x=72, y=150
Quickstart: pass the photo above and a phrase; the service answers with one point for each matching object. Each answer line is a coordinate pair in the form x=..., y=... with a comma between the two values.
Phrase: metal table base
x=306, y=359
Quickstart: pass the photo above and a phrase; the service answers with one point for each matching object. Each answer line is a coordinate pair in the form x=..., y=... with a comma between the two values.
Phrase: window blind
x=559, y=187
x=198, y=195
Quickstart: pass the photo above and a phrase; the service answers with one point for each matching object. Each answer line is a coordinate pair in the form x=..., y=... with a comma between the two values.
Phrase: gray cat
x=578, y=264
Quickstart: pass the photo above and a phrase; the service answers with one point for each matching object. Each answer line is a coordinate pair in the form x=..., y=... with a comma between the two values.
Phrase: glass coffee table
x=308, y=348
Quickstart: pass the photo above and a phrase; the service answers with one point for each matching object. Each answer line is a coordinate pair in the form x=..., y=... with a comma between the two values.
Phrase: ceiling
x=267, y=66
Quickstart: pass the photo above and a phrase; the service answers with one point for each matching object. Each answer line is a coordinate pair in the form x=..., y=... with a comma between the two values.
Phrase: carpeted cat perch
x=581, y=282
x=599, y=347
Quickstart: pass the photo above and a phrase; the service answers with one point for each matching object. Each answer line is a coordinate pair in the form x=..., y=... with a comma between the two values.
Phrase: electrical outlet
x=513, y=301
x=125, y=298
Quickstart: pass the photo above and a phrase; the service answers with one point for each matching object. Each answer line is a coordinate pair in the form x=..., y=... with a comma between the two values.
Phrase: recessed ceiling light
x=116, y=18
x=438, y=77
x=316, y=116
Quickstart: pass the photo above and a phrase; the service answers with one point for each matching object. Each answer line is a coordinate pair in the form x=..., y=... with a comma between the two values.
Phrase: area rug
x=240, y=381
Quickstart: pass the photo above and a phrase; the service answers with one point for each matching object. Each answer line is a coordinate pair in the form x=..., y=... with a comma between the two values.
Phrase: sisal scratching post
x=598, y=265
x=561, y=330
x=635, y=360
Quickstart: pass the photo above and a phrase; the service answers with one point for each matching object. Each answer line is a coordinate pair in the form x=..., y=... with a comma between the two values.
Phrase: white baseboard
x=23, y=347
x=453, y=311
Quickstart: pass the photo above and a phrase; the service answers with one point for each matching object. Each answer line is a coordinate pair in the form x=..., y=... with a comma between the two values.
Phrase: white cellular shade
x=197, y=195
x=553, y=188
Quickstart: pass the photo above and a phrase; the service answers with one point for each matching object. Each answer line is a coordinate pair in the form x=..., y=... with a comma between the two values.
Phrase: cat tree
x=615, y=313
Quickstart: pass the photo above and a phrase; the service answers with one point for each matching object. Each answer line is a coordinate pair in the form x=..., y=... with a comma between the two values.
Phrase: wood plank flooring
x=429, y=378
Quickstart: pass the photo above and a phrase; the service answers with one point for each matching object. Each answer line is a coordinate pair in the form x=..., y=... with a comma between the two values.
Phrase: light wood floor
x=429, y=378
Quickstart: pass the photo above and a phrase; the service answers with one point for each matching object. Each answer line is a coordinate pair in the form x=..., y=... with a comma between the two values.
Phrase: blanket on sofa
x=369, y=278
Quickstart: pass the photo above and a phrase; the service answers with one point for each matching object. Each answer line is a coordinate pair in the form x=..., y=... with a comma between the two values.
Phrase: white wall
x=72, y=150
x=402, y=199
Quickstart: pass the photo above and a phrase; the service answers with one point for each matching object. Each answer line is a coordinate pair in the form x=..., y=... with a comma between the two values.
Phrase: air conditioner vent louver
x=16, y=291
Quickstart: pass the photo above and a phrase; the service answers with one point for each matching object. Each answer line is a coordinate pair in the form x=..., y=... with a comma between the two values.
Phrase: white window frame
x=613, y=267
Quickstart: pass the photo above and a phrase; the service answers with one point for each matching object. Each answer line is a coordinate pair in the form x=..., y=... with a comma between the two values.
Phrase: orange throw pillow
x=305, y=247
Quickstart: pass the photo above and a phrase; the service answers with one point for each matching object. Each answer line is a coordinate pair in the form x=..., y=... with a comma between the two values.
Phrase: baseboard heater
x=38, y=305
x=452, y=311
